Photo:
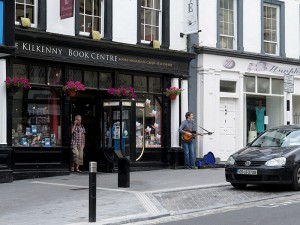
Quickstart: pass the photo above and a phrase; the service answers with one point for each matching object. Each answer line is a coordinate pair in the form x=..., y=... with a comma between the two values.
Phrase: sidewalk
x=64, y=200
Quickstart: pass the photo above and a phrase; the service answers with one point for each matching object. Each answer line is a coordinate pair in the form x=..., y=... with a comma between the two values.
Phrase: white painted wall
x=57, y=25
x=292, y=29
x=252, y=26
x=208, y=23
x=177, y=25
x=125, y=21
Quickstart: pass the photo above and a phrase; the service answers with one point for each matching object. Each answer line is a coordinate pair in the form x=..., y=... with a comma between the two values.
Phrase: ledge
x=246, y=55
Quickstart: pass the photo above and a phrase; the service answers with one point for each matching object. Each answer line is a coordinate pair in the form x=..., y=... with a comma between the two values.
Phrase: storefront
x=231, y=88
x=40, y=118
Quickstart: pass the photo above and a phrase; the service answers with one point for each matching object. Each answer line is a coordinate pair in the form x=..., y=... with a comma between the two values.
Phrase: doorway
x=227, y=127
x=84, y=105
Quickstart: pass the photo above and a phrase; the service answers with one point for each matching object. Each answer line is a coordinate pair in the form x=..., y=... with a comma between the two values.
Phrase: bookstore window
x=36, y=118
x=153, y=121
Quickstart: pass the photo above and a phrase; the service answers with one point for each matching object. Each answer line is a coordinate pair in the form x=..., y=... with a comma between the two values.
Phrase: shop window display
x=36, y=118
x=153, y=121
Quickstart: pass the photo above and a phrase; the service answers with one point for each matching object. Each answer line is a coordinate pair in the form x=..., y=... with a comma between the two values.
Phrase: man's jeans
x=189, y=153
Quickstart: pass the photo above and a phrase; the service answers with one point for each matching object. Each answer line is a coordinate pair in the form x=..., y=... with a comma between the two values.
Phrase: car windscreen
x=278, y=138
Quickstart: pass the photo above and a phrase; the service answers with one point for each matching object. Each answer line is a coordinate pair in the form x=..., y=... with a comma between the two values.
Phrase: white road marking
x=278, y=204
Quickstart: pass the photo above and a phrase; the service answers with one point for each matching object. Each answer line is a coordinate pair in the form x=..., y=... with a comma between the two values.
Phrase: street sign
x=289, y=79
x=288, y=87
x=289, y=83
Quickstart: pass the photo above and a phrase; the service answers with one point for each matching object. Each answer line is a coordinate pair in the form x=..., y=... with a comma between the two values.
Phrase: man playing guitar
x=188, y=146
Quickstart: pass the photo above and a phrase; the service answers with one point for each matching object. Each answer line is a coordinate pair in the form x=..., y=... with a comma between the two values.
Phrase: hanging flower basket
x=172, y=97
x=72, y=93
x=172, y=92
x=13, y=85
x=72, y=87
x=122, y=92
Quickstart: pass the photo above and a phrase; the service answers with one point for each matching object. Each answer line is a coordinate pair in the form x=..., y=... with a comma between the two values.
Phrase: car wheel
x=238, y=186
x=296, y=180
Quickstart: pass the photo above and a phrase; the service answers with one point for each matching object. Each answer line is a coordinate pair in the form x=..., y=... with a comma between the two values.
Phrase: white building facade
x=248, y=50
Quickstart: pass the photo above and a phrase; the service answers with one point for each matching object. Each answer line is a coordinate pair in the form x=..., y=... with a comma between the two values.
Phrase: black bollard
x=123, y=173
x=92, y=191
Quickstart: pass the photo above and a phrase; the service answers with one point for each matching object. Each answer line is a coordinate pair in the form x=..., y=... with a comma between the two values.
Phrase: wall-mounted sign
x=269, y=67
x=106, y=59
x=66, y=8
x=289, y=83
x=229, y=63
x=191, y=16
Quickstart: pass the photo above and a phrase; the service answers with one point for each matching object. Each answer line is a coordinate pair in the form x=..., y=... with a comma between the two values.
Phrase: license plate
x=247, y=172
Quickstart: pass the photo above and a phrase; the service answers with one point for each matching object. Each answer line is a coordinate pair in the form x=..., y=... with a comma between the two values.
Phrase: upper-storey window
x=151, y=14
x=271, y=29
x=27, y=9
x=91, y=16
x=227, y=24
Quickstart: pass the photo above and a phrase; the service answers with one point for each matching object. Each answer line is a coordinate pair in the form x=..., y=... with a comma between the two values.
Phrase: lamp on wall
x=155, y=44
x=25, y=22
x=95, y=35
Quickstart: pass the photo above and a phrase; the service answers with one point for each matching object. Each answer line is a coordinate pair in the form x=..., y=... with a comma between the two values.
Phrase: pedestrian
x=188, y=127
x=260, y=113
x=78, y=143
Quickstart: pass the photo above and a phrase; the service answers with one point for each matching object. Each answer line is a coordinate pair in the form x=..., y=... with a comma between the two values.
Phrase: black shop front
x=40, y=118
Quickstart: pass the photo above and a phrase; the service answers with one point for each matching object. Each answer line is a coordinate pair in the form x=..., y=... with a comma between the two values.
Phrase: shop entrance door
x=227, y=128
x=84, y=105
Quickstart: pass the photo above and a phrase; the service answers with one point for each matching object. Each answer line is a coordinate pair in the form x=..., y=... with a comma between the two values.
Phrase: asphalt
x=64, y=200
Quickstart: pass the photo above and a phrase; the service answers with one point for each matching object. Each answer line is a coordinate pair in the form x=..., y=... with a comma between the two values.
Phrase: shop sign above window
x=66, y=8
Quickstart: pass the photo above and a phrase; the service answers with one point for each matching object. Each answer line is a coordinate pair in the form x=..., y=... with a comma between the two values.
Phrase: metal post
x=92, y=191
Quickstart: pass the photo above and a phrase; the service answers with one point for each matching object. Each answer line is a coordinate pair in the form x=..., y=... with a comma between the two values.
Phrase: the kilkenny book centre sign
x=98, y=58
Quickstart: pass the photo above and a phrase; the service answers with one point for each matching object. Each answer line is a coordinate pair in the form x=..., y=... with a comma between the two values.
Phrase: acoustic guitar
x=188, y=138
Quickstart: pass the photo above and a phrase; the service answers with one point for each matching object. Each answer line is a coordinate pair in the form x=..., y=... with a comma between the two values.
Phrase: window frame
x=165, y=24
x=234, y=37
x=277, y=43
x=281, y=27
x=36, y=10
x=238, y=26
x=151, y=25
x=101, y=17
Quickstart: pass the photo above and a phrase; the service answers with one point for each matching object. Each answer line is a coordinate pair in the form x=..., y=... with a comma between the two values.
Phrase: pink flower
x=173, y=91
x=122, y=92
x=74, y=86
x=17, y=83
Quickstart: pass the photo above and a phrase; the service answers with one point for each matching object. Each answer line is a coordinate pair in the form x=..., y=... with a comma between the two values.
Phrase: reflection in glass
x=277, y=86
x=124, y=80
x=263, y=85
x=249, y=84
x=54, y=76
x=105, y=80
x=154, y=84
x=91, y=79
x=74, y=75
x=20, y=70
x=37, y=74
x=140, y=83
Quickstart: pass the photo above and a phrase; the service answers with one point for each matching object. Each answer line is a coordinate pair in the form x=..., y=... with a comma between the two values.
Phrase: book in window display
x=47, y=142
x=20, y=128
x=24, y=142
x=28, y=131
x=34, y=129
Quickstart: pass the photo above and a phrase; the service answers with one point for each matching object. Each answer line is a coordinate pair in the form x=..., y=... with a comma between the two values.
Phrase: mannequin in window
x=260, y=113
